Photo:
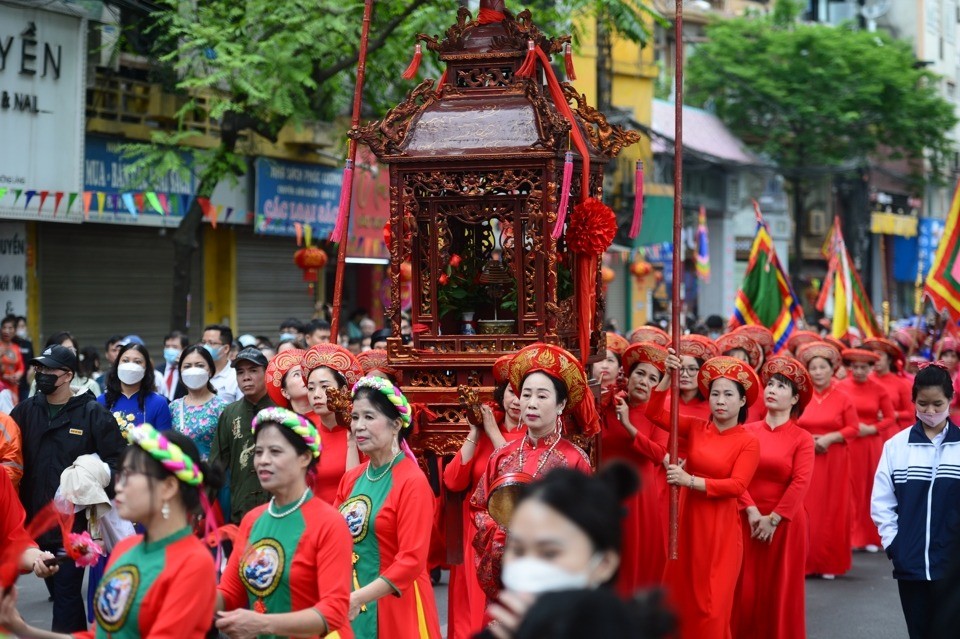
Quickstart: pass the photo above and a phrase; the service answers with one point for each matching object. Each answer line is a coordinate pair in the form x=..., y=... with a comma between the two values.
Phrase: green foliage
x=811, y=95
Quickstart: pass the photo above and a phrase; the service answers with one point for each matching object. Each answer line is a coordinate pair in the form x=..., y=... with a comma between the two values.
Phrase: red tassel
x=564, y=203
x=529, y=65
x=411, y=71
x=344, y=212
x=568, y=61
x=637, y=202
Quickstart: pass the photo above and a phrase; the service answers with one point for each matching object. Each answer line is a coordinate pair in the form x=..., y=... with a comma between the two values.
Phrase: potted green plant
x=459, y=290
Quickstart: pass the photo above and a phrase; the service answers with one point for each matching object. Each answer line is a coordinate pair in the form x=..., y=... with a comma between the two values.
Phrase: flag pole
x=677, y=258
x=347, y=192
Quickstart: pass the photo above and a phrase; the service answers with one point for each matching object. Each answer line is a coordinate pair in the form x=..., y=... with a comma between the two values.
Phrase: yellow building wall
x=220, y=276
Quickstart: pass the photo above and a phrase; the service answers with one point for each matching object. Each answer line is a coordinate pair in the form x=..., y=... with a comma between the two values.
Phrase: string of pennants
x=134, y=202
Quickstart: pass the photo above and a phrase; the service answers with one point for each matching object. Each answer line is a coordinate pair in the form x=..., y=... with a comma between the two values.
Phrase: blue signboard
x=290, y=192
x=929, y=234
x=107, y=175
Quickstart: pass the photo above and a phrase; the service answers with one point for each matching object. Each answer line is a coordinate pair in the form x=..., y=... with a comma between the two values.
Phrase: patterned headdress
x=561, y=365
x=616, y=343
x=858, y=355
x=167, y=453
x=733, y=369
x=391, y=392
x=289, y=419
x=501, y=369
x=948, y=343
x=645, y=353
x=650, y=334
x=335, y=357
x=799, y=338
x=792, y=370
x=277, y=371
x=827, y=351
x=698, y=346
x=885, y=345
x=731, y=341
x=376, y=360
x=760, y=334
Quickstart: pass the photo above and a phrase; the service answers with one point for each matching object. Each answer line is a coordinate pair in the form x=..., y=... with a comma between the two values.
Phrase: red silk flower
x=592, y=227
x=83, y=549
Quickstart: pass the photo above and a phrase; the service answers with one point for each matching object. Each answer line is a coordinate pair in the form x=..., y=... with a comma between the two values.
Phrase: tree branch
x=322, y=75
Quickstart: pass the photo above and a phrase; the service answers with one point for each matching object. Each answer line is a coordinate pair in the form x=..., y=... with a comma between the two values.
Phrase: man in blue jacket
x=916, y=499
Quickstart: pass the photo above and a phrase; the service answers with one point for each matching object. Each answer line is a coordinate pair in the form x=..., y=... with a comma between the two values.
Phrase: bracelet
x=692, y=479
x=471, y=441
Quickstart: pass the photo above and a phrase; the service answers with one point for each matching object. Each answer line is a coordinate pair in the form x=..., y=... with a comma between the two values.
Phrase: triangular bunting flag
x=298, y=231
x=30, y=195
x=164, y=204
x=185, y=204
x=209, y=213
x=3, y=191
x=308, y=234
x=101, y=200
x=87, y=196
x=16, y=195
x=43, y=198
x=130, y=203
x=229, y=213
x=57, y=197
x=138, y=200
x=71, y=198
x=113, y=202
x=154, y=202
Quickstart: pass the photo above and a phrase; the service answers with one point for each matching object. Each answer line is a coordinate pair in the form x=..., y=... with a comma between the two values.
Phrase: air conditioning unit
x=816, y=223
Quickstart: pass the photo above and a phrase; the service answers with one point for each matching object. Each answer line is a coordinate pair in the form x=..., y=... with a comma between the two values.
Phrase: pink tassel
x=568, y=61
x=564, y=195
x=345, y=192
x=529, y=65
x=411, y=71
x=405, y=447
x=637, y=202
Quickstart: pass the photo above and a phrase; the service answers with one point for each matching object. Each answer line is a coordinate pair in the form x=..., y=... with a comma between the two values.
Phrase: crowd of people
x=790, y=459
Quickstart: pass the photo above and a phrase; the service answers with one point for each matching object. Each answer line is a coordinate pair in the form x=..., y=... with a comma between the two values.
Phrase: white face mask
x=130, y=373
x=536, y=576
x=22, y=333
x=933, y=419
x=194, y=378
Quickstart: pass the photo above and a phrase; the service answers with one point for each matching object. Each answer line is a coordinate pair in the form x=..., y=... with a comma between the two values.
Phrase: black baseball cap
x=251, y=354
x=57, y=356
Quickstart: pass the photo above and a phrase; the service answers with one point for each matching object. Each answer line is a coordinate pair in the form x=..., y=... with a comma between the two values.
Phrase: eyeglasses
x=212, y=343
x=689, y=370
x=120, y=479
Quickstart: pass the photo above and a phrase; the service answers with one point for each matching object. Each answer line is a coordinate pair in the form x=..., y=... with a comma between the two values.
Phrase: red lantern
x=607, y=275
x=310, y=260
x=641, y=269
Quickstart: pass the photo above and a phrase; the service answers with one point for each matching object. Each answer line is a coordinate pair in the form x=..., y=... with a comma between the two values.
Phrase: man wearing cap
x=57, y=427
x=234, y=442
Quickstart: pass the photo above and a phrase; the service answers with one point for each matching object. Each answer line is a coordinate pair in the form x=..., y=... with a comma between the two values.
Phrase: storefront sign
x=294, y=192
x=42, y=62
x=13, y=268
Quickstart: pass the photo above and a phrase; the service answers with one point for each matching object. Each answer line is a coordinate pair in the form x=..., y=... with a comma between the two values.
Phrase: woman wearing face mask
x=289, y=573
x=916, y=501
x=195, y=415
x=721, y=460
x=161, y=583
x=628, y=435
x=467, y=601
x=551, y=383
x=832, y=420
x=875, y=412
x=132, y=394
x=565, y=534
x=327, y=366
x=388, y=506
x=770, y=593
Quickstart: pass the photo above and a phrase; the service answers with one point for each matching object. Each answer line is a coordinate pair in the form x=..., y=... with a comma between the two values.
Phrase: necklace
x=543, y=459
x=273, y=501
x=386, y=469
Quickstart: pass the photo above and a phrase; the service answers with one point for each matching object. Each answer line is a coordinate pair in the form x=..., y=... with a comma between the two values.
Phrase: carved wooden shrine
x=475, y=172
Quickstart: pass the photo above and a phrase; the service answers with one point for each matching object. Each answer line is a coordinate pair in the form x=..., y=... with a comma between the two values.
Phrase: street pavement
x=863, y=604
